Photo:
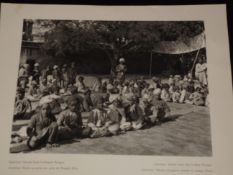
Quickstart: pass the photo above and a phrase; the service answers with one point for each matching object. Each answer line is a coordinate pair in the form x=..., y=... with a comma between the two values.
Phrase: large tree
x=116, y=38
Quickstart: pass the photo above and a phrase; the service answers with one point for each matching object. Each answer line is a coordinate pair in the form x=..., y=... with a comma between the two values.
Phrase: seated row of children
x=174, y=90
x=119, y=107
x=105, y=119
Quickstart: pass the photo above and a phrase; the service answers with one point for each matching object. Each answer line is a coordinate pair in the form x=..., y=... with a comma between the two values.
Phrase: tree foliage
x=67, y=38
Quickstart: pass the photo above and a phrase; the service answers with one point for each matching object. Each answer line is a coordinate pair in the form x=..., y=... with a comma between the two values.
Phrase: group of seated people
x=113, y=106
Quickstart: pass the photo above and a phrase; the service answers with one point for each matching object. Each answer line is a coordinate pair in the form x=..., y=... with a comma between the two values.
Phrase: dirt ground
x=188, y=135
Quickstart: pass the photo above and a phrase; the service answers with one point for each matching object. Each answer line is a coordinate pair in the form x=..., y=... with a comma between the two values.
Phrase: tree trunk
x=114, y=62
x=113, y=56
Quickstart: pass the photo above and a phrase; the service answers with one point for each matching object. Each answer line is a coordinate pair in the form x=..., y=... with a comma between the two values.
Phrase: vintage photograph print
x=112, y=87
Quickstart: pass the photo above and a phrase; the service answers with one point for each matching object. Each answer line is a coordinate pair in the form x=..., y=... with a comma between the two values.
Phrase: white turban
x=45, y=100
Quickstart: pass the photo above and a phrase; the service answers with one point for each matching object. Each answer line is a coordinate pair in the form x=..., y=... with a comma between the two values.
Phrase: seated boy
x=183, y=94
x=43, y=85
x=100, y=98
x=22, y=105
x=149, y=94
x=116, y=118
x=97, y=86
x=97, y=120
x=160, y=110
x=165, y=94
x=197, y=98
x=171, y=80
x=80, y=84
x=134, y=113
x=56, y=101
x=87, y=101
x=70, y=123
x=109, y=85
x=72, y=92
x=176, y=94
x=42, y=128
x=33, y=92
x=116, y=87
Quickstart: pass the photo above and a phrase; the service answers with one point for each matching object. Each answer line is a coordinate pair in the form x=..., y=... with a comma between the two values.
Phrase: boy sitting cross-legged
x=42, y=128
x=134, y=113
x=70, y=123
x=22, y=105
x=97, y=120
x=116, y=120
x=160, y=110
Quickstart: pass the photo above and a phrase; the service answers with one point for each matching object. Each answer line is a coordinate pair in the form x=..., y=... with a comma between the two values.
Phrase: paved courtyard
x=188, y=135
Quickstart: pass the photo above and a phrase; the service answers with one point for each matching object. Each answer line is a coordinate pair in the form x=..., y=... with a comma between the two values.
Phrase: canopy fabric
x=180, y=46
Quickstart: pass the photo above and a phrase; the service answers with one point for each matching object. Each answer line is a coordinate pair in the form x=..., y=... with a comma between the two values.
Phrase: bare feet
x=55, y=145
x=49, y=145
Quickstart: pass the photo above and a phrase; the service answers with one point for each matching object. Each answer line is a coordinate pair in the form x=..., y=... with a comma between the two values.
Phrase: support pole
x=150, y=71
x=195, y=61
